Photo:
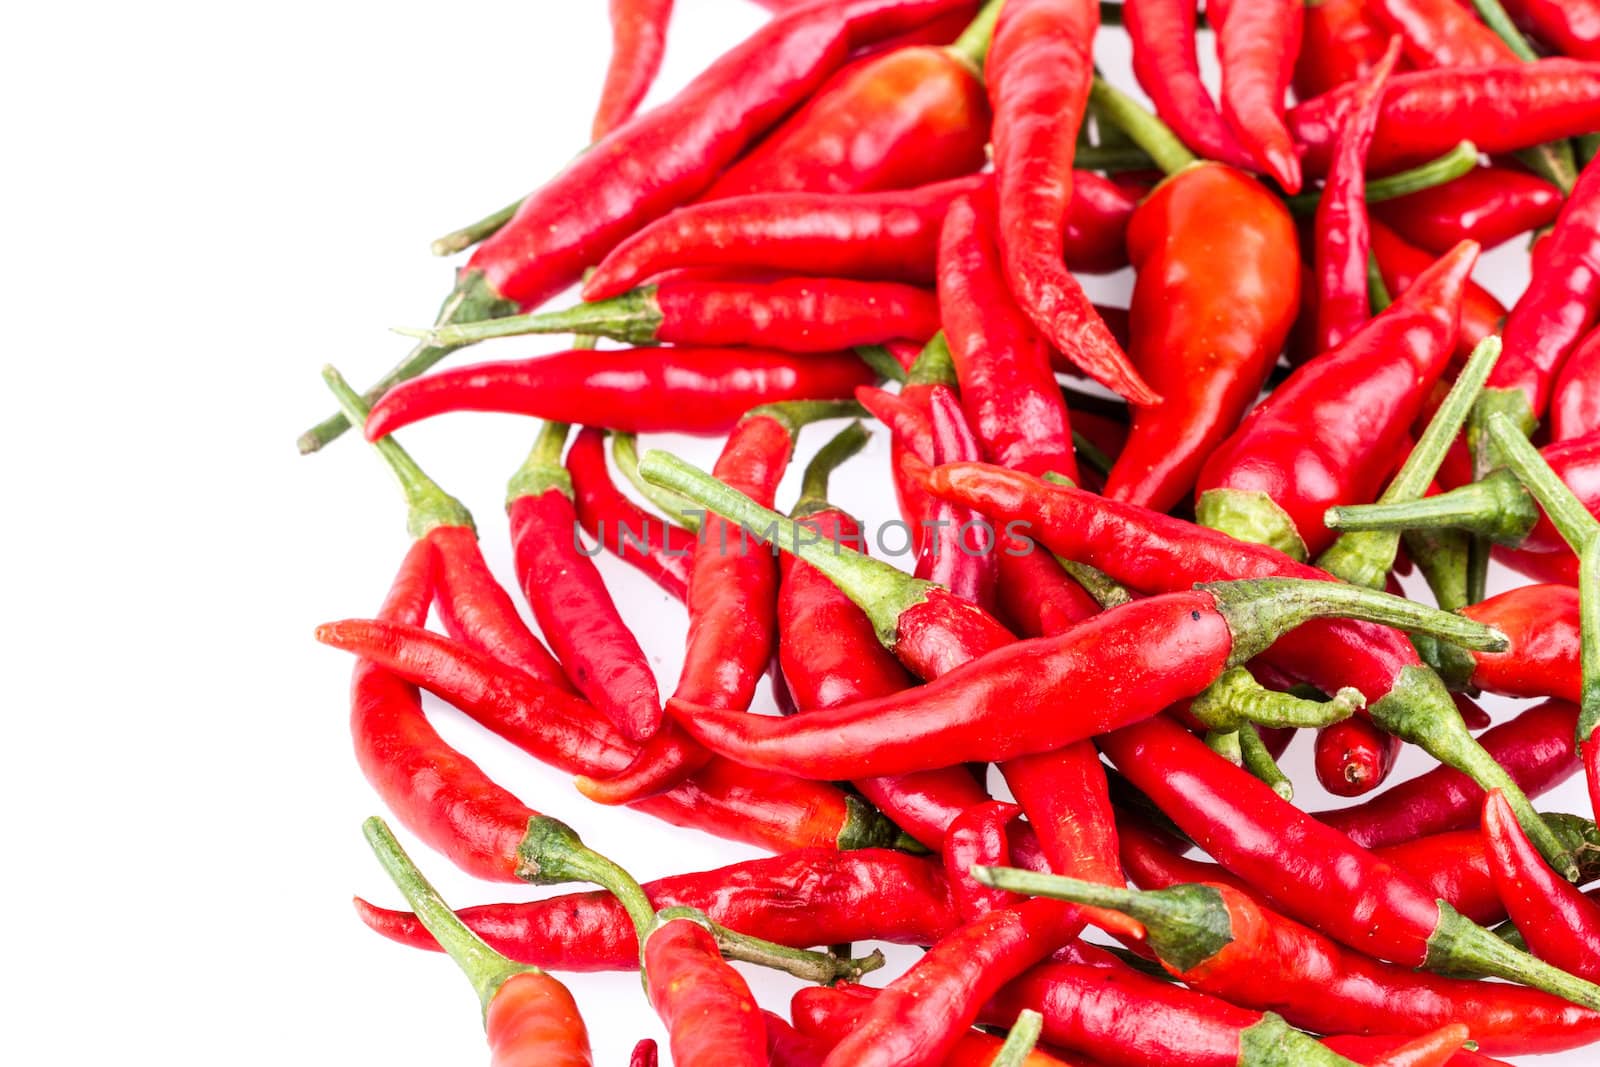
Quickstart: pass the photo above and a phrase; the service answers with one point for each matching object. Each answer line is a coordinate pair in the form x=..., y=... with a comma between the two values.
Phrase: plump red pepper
x=1039, y=74
x=1162, y=34
x=1571, y=27
x=1354, y=756
x=1425, y=113
x=978, y=838
x=637, y=390
x=1558, y=923
x=529, y=1017
x=1341, y=42
x=1441, y=33
x=1257, y=44
x=1575, y=404
x=1328, y=435
x=1489, y=205
x=657, y=548
x=1400, y=264
x=638, y=41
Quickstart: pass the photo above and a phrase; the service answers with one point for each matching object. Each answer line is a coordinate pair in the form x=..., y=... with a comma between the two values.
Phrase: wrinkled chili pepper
x=1039, y=73
x=637, y=390
x=1558, y=923
x=1575, y=402
x=638, y=41
x=530, y=1018
x=1328, y=435
x=1256, y=45
x=812, y=896
x=1341, y=42
x=1490, y=205
x=1162, y=35
x=654, y=546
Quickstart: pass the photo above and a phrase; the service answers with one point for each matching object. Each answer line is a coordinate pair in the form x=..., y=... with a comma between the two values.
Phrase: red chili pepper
x=530, y=1018
x=1341, y=245
x=1341, y=42
x=1427, y=112
x=1329, y=434
x=960, y=553
x=1354, y=757
x=812, y=896
x=638, y=40
x=569, y=598
x=656, y=547
x=645, y=1054
x=1489, y=205
x=1559, y=924
x=1401, y=264
x=1007, y=387
x=1162, y=33
x=1370, y=1049
x=1571, y=27
x=1536, y=749
x=637, y=390
x=1257, y=44
x=977, y=838
x=1575, y=405
x=789, y=315
x=1310, y=870
x=1039, y=75
x=1442, y=33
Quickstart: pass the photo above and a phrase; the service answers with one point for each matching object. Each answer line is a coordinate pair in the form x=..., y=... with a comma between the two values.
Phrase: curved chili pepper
x=1220, y=941
x=569, y=598
x=1374, y=1049
x=1156, y=553
x=1442, y=33
x=1401, y=264
x=1162, y=33
x=638, y=40
x=1256, y=45
x=977, y=838
x=1040, y=69
x=1340, y=43
x=765, y=810
x=1354, y=757
x=637, y=390
x=1571, y=27
x=1575, y=403
x=961, y=554
x=1340, y=245
x=813, y=896
x=656, y=547
x=530, y=1018
x=1007, y=387
x=789, y=315
x=1500, y=109
x=1559, y=924
x=1312, y=871
x=1328, y=434
x=1489, y=205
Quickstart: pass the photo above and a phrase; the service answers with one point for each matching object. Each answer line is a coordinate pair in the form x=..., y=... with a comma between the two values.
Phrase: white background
x=203, y=204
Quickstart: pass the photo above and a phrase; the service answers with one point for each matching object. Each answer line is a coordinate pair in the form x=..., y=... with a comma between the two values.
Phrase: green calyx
x=1566, y=511
x=680, y=512
x=428, y=506
x=814, y=482
x=1260, y=610
x=472, y=299
x=1185, y=925
x=1251, y=515
x=935, y=365
x=1274, y=1043
x=882, y=591
x=867, y=827
x=882, y=362
x=1418, y=709
x=485, y=968
x=1148, y=132
x=633, y=317
x=1459, y=945
x=1486, y=458
x=1497, y=508
x=542, y=470
x=1236, y=699
x=1019, y=1043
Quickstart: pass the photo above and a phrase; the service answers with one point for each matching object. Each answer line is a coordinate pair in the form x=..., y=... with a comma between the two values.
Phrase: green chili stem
x=1499, y=20
x=473, y=232
x=1445, y=168
x=934, y=365
x=1566, y=511
x=1147, y=131
x=822, y=968
x=1589, y=639
x=678, y=510
x=1020, y=1041
x=633, y=317
x=840, y=448
x=1259, y=762
x=1112, y=158
x=1225, y=743
x=1377, y=289
x=1236, y=699
x=882, y=362
x=1091, y=454
x=973, y=44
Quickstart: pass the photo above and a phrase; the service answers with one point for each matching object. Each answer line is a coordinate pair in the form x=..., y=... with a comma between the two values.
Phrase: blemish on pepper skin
x=1195, y=615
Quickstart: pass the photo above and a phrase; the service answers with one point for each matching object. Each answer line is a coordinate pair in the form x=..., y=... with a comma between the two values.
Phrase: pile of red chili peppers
x=1129, y=591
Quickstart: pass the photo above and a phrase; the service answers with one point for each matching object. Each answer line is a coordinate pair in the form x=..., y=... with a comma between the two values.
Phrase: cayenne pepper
x=1575, y=401
x=1162, y=35
x=638, y=41
x=1489, y=205
x=1558, y=923
x=657, y=548
x=1256, y=45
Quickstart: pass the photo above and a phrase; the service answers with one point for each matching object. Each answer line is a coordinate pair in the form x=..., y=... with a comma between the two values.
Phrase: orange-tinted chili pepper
x=637, y=390
x=1256, y=45
x=1558, y=923
x=1341, y=42
x=1039, y=74
x=529, y=1017
x=638, y=41
x=1401, y=264
x=1571, y=27
x=1374, y=1049
x=657, y=548
x=1575, y=404
x=1489, y=205
x=1442, y=33
x=1162, y=33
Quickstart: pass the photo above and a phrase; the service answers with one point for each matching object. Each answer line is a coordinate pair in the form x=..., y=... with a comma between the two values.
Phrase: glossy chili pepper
x=977, y=838
x=1570, y=28
x=1312, y=871
x=1256, y=45
x=1341, y=42
x=656, y=547
x=1559, y=924
x=645, y=1054
x=1401, y=264
x=807, y=897
x=769, y=811
x=1216, y=291
x=911, y=433
x=1151, y=552
x=1340, y=243
x=530, y=1018
x=1220, y=941
x=1575, y=403
x=1039, y=75
x=1328, y=435
x=1442, y=33
x=1162, y=33
x=638, y=390
x=1500, y=109
x=1354, y=756
x=1489, y=205
x=651, y=165
x=960, y=553
x=638, y=41
x=1007, y=387
x=1373, y=1050
x=1536, y=749
x=569, y=598
x=788, y=315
